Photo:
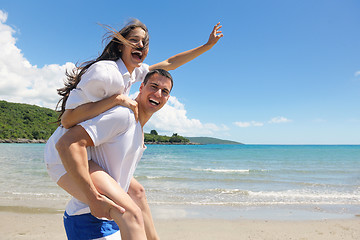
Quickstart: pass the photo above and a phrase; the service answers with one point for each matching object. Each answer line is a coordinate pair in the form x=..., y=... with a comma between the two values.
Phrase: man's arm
x=72, y=150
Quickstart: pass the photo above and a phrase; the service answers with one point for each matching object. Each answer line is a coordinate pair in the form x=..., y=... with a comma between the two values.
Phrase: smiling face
x=133, y=57
x=155, y=93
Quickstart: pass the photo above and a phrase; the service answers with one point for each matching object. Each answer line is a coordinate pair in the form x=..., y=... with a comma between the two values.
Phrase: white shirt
x=119, y=145
x=104, y=79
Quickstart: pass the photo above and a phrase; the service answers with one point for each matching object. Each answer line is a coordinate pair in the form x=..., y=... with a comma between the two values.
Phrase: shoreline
x=24, y=140
x=49, y=226
x=164, y=211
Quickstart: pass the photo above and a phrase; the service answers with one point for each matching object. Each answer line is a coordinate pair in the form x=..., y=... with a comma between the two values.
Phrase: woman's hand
x=215, y=35
x=125, y=101
x=101, y=206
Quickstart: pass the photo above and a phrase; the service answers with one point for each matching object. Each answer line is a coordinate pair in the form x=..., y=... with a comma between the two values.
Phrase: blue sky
x=286, y=71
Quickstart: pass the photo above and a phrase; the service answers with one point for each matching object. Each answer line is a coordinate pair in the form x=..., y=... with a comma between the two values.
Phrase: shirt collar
x=123, y=70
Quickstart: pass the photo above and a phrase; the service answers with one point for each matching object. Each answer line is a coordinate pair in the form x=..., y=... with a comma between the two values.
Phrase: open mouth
x=154, y=102
x=137, y=54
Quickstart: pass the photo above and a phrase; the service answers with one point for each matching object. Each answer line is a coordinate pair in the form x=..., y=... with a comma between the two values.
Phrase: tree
x=153, y=132
x=175, y=138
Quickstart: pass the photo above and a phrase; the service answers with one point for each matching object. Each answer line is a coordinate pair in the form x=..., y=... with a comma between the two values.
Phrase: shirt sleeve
x=107, y=125
x=141, y=72
x=100, y=81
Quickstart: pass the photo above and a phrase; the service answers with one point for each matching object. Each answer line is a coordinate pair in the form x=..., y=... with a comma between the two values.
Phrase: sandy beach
x=16, y=225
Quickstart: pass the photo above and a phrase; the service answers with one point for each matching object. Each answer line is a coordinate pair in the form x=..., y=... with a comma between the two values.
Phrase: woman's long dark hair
x=110, y=52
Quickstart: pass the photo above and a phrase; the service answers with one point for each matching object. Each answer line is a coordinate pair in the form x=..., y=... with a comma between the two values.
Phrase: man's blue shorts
x=86, y=226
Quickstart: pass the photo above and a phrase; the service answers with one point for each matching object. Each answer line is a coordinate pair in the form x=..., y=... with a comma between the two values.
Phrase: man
x=116, y=145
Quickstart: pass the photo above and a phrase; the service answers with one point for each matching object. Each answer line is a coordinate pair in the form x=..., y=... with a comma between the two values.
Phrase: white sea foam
x=222, y=170
x=311, y=196
x=245, y=203
x=239, y=197
x=153, y=177
x=35, y=195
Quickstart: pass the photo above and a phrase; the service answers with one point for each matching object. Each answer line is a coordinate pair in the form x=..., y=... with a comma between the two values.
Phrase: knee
x=137, y=191
x=134, y=216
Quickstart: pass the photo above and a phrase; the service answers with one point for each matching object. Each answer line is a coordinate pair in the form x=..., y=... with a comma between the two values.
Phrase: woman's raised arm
x=184, y=57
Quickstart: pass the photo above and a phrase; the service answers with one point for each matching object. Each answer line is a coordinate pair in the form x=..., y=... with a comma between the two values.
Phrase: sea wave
x=303, y=194
x=224, y=196
x=170, y=178
x=32, y=195
x=248, y=203
x=221, y=170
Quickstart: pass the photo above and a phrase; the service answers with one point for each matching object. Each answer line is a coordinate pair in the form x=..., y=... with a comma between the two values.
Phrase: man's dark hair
x=161, y=72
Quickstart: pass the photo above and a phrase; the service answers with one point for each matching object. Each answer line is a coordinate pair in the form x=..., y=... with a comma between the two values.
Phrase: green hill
x=20, y=121
x=26, y=121
x=154, y=138
x=209, y=140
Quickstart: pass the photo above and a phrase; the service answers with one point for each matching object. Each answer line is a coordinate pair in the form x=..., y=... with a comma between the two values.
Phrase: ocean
x=202, y=181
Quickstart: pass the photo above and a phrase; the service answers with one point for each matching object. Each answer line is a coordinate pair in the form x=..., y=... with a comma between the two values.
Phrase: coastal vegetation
x=154, y=138
x=24, y=123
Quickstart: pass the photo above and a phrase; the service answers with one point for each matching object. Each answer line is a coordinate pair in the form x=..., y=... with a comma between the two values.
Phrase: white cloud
x=3, y=16
x=260, y=124
x=20, y=81
x=249, y=124
x=172, y=119
x=279, y=120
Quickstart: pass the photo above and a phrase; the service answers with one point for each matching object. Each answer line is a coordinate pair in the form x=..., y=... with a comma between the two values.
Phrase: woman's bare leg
x=66, y=183
x=137, y=193
x=131, y=223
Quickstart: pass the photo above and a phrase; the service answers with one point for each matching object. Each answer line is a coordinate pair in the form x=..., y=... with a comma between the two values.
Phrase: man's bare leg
x=137, y=193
